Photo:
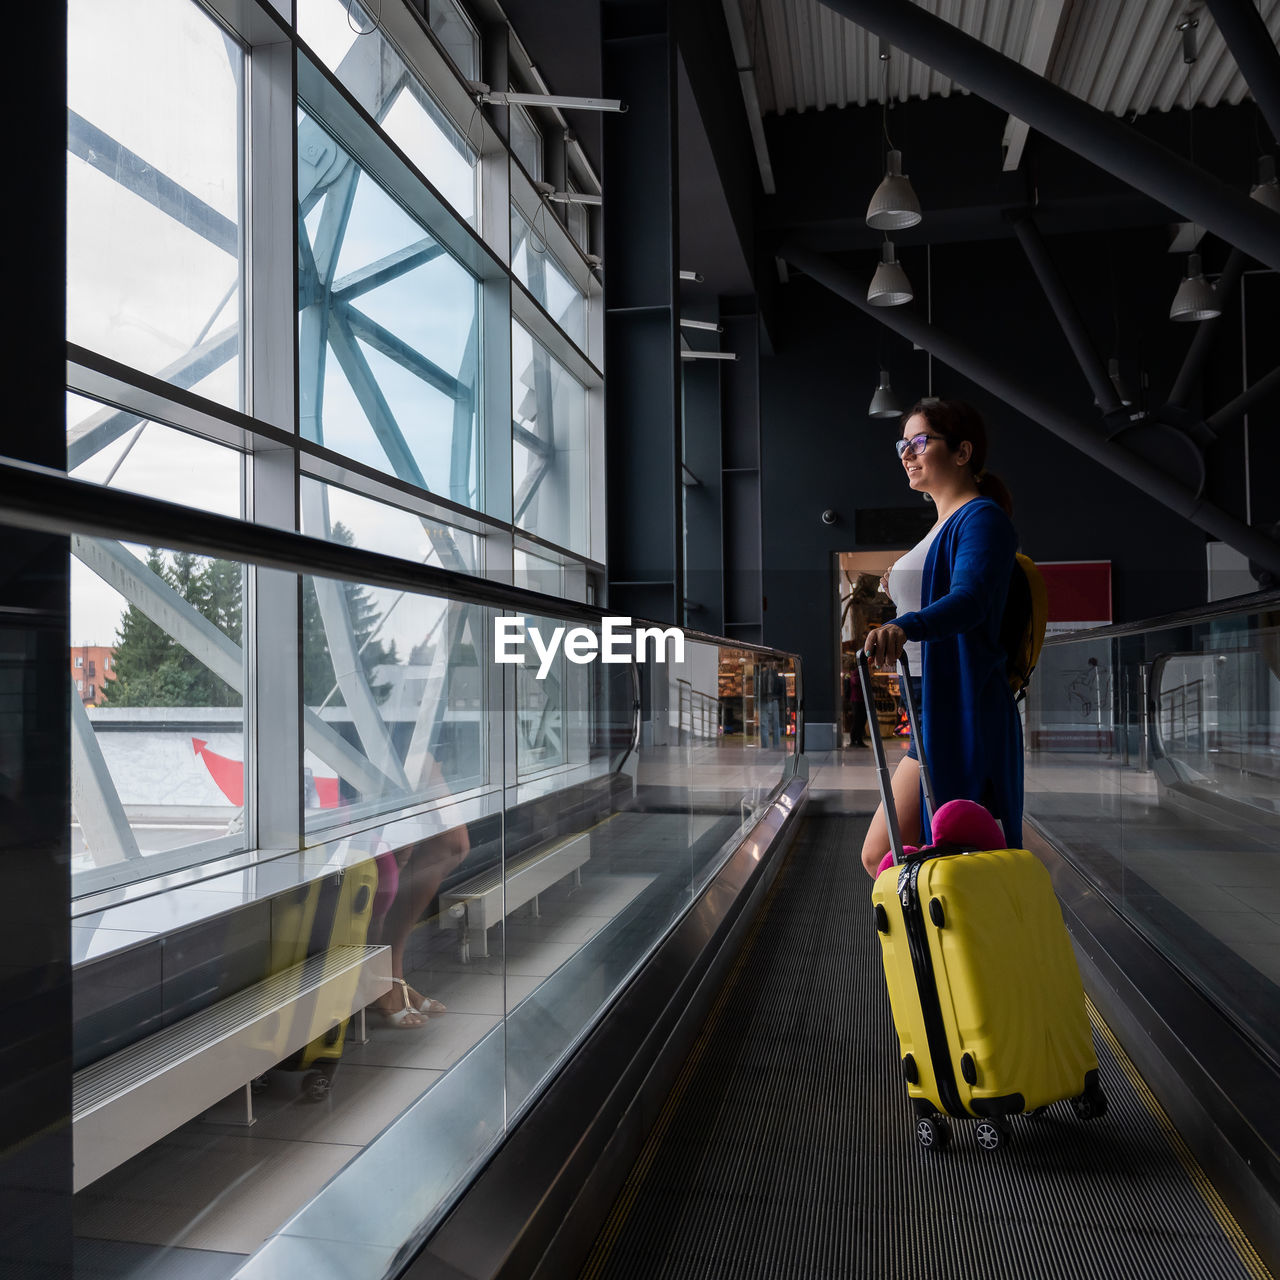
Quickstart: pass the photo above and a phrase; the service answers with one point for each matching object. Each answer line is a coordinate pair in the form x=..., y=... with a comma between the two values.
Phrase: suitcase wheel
x=991, y=1134
x=315, y=1086
x=933, y=1132
x=1091, y=1104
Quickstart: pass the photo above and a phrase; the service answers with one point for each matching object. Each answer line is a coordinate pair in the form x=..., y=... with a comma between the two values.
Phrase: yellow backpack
x=1026, y=615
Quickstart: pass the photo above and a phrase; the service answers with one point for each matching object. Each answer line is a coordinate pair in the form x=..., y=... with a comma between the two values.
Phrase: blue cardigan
x=972, y=734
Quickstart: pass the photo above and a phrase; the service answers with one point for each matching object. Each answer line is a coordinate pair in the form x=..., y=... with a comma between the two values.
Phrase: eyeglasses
x=916, y=445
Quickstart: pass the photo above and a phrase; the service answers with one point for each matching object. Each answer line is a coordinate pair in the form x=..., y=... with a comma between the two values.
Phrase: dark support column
x=743, y=483
x=1055, y=290
x=988, y=373
x=1206, y=330
x=35, y=948
x=704, y=576
x=1255, y=53
x=1231, y=413
x=642, y=391
x=1101, y=138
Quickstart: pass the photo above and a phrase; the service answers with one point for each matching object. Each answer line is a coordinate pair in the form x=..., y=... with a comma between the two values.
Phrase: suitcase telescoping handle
x=877, y=748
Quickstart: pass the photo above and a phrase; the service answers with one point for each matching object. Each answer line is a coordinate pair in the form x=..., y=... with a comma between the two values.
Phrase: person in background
x=855, y=710
x=950, y=591
x=773, y=703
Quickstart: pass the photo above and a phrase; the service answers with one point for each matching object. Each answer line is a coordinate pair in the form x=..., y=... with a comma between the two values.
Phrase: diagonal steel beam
x=401, y=352
x=1231, y=413
x=1255, y=53
x=992, y=375
x=1206, y=331
x=392, y=267
x=95, y=433
x=94, y=796
x=135, y=174
x=1106, y=141
x=1068, y=317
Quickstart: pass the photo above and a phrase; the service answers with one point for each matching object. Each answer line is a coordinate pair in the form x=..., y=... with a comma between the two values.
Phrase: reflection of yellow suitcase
x=331, y=912
x=984, y=987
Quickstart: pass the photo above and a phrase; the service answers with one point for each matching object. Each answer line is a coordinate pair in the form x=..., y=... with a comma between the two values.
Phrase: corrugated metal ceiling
x=1123, y=56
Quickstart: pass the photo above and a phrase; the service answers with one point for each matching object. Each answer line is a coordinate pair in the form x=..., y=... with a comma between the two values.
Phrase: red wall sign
x=1079, y=593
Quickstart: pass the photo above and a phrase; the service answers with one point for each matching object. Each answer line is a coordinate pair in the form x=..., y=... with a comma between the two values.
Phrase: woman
x=969, y=722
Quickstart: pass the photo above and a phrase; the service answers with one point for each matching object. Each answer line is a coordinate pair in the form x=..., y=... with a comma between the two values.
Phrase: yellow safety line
x=1248, y=1256
x=621, y=1210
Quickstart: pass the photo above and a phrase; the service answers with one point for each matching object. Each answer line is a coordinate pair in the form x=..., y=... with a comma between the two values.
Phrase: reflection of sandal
x=406, y=1019
x=429, y=1007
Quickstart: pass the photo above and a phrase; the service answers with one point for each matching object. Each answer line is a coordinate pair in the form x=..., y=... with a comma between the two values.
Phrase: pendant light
x=894, y=206
x=889, y=286
x=1267, y=190
x=1196, y=298
x=884, y=404
x=1123, y=394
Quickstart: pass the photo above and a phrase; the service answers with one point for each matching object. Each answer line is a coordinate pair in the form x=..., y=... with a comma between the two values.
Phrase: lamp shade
x=889, y=286
x=1267, y=190
x=894, y=205
x=1196, y=298
x=884, y=404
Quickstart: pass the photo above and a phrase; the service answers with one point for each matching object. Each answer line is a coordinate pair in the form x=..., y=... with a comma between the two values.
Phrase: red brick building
x=91, y=666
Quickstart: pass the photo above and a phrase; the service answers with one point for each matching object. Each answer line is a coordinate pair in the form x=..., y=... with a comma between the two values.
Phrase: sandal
x=406, y=1019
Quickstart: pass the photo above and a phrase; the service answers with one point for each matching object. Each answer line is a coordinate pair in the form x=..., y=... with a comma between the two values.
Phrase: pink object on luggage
x=959, y=822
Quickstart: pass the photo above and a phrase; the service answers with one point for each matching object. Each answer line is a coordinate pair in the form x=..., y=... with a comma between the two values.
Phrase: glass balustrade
x=1154, y=765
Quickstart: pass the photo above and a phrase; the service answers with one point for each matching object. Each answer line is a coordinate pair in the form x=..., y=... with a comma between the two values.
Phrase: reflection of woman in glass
x=950, y=591
x=408, y=880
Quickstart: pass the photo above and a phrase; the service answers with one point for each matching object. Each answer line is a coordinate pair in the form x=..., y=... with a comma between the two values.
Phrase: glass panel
x=158, y=750
x=537, y=269
x=124, y=450
x=377, y=77
x=155, y=190
x=455, y=32
x=526, y=141
x=397, y=678
x=549, y=447
x=329, y=511
x=1155, y=766
x=388, y=330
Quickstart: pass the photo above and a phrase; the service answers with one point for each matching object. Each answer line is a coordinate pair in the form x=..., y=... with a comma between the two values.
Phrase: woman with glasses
x=950, y=591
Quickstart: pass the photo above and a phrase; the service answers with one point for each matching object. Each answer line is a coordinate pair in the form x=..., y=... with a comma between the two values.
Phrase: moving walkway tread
x=786, y=1148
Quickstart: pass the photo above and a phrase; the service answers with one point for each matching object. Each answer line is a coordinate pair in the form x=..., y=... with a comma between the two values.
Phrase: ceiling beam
x=995, y=376
x=1099, y=137
x=1046, y=24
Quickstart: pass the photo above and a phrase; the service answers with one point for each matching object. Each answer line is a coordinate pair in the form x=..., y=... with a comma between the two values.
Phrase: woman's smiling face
x=919, y=465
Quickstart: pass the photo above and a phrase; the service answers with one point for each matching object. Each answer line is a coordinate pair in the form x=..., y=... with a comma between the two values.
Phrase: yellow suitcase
x=983, y=983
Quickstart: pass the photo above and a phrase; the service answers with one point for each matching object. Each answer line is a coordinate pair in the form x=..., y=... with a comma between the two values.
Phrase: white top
x=906, y=581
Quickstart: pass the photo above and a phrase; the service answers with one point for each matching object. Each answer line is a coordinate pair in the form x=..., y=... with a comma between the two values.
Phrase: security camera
x=829, y=516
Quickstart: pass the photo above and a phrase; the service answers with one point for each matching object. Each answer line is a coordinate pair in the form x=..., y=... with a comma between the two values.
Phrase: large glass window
x=354, y=48
x=389, y=329
x=537, y=269
x=155, y=131
x=549, y=448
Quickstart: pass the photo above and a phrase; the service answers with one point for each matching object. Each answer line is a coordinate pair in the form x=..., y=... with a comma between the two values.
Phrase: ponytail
x=991, y=486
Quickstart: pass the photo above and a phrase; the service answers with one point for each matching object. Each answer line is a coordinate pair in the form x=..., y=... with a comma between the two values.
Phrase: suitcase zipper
x=927, y=985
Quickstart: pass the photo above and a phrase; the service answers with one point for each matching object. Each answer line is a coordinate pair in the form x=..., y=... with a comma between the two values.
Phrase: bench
x=479, y=903
x=139, y=1094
